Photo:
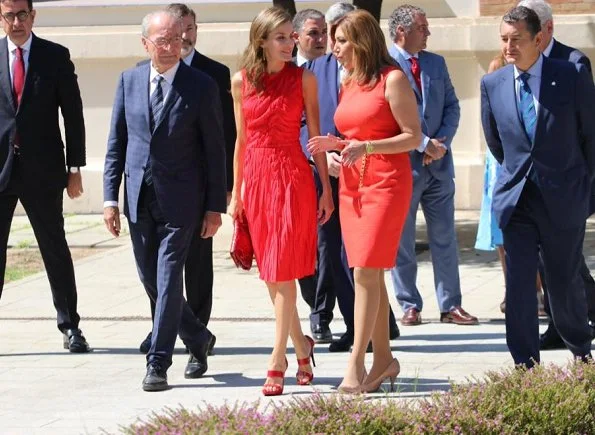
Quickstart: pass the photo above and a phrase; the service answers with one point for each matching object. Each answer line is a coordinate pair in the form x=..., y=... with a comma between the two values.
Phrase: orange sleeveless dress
x=373, y=206
x=280, y=201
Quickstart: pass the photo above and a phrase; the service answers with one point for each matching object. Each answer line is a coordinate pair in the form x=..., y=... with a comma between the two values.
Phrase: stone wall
x=498, y=7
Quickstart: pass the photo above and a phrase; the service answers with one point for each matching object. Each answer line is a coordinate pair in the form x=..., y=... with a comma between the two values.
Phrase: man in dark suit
x=167, y=139
x=554, y=49
x=333, y=277
x=539, y=126
x=37, y=79
x=198, y=271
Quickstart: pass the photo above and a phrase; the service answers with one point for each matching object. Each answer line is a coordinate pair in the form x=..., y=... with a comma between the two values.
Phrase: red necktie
x=416, y=71
x=18, y=75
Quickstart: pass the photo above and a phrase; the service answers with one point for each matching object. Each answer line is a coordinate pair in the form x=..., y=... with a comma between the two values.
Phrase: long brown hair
x=370, y=54
x=254, y=60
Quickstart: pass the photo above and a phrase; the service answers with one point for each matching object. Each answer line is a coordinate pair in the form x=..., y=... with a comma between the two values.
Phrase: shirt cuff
x=424, y=144
x=110, y=204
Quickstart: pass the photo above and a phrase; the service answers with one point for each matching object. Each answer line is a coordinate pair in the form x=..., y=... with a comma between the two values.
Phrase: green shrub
x=545, y=400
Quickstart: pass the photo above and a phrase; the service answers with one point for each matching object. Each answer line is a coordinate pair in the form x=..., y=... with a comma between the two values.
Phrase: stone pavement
x=46, y=390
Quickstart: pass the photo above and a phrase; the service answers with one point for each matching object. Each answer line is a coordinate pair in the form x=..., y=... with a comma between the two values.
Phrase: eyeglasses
x=22, y=16
x=164, y=42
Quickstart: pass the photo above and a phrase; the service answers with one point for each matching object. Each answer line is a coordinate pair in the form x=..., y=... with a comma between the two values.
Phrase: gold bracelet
x=369, y=147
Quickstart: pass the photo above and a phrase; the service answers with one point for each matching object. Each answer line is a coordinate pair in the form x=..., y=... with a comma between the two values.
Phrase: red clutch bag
x=242, y=252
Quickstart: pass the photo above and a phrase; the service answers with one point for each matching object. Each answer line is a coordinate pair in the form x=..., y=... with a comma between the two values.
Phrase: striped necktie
x=527, y=107
x=154, y=115
x=156, y=103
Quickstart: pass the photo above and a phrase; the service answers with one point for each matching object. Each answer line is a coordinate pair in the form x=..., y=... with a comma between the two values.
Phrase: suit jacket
x=50, y=85
x=438, y=108
x=221, y=75
x=326, y=70
x=570, y=54
x=563, y=152
x=186, y=146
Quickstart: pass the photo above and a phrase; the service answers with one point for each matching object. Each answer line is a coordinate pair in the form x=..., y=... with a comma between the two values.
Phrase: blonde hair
x=370, y=54
x=253, y=59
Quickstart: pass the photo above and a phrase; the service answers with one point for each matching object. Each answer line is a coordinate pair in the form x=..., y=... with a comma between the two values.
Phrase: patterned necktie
x=527, y=106
x=18, y=75
x=416, y=71
x=154, y=115
x=156, y=103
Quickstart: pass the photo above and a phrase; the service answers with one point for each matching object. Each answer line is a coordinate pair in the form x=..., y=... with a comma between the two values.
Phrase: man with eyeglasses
x=198, y=271
x=37, y=79
x=166, y=139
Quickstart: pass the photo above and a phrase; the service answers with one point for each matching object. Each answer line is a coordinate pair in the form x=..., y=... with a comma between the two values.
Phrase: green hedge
x=545, y=400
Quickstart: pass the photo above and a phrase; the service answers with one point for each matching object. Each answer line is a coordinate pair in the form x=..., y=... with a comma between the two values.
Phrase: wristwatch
x=369, y=147
x=73, y=169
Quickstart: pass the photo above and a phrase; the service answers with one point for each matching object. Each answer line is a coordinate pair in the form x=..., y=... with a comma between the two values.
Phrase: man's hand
x=111, y=217
x=74, y=189
x=334, y=164
x=210, y=224
x=436, y=148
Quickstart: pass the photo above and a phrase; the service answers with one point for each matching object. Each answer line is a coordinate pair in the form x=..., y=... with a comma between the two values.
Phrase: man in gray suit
x=433, y=172
x=167, y=139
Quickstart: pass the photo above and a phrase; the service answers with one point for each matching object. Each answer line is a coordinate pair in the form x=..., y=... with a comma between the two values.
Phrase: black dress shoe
x=322, y=334
x=75, y=342
x=155, y=379
x=550, y=339
x=211, y=346
x=146, y=344
x=197, y=362
x=343, y=344
x=393, y=332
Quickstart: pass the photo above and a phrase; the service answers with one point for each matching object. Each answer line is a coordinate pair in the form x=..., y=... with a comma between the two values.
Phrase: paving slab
x=53, y=392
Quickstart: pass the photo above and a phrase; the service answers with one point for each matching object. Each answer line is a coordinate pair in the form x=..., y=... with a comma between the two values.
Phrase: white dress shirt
x=299, y=59
x=548, y=49
x=166, y=83
x=12, y=48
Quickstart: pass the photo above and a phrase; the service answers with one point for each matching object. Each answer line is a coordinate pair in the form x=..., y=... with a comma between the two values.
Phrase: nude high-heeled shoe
x=391, y=372
x=358, y=389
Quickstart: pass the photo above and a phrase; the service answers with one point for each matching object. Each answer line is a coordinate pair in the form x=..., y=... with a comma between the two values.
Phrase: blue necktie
x=154, y=115
x=527, y=107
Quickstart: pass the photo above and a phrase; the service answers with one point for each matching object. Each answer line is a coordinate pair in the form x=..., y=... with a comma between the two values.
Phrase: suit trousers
x=160, y=250
x=437, y=203
x=44, y=210
x=529, y=232
x=588, y=283
x=198, y=278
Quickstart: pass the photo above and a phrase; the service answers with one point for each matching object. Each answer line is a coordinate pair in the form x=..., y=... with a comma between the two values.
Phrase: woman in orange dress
x=273, y=182
x=377, y=115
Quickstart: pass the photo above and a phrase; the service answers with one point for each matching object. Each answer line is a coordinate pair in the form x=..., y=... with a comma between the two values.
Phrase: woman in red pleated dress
x=377, y=115
x=273, y=182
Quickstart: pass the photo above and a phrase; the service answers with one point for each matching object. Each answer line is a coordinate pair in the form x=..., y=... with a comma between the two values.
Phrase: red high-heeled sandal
x=275, y=389
x=303, y=377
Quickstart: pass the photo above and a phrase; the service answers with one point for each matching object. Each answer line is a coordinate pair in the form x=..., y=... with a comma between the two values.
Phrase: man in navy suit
x=554, y=49
x=433, y=172
x=167, y=139
x=38, y=80
x=539, y=126
x=198, y=271
x=333, y=277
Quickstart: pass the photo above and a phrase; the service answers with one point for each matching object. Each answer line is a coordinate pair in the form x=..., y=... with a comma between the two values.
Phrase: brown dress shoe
x=411, y=317
x=458, y=316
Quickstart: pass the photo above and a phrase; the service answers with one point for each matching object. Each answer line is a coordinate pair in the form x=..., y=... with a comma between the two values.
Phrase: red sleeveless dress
x=280, y=201
x=373, y=206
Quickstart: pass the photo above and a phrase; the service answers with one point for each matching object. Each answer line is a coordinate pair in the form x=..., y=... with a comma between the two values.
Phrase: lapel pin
x=553, y=83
